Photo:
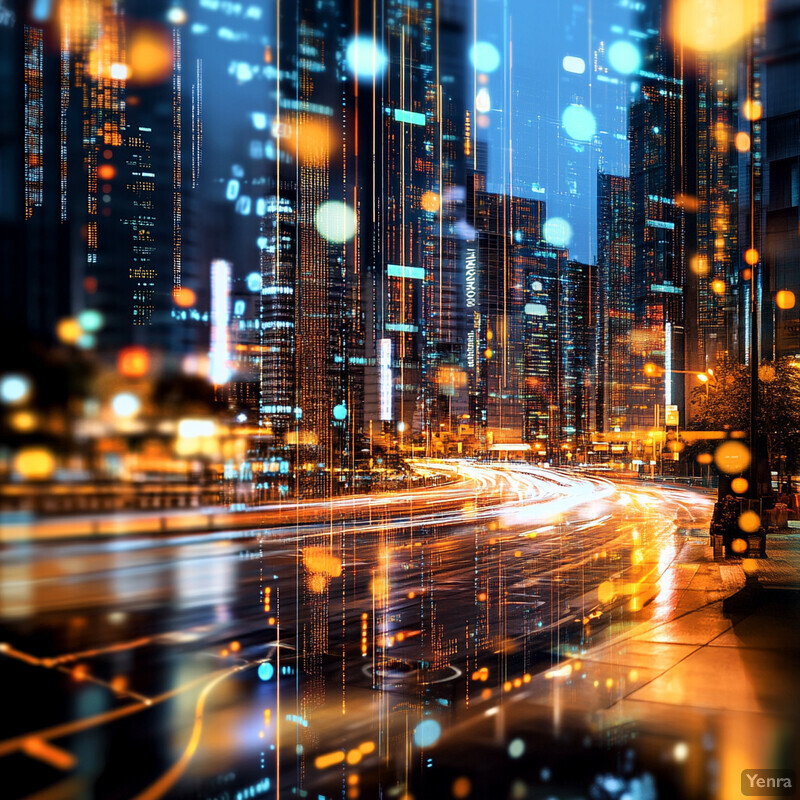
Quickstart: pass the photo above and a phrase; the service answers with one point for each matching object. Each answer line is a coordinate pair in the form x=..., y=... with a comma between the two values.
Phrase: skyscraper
x=615, y=299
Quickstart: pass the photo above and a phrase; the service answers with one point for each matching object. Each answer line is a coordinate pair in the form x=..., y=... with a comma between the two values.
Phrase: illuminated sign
x=220, y=296
x=400, y=271
x=471, y=264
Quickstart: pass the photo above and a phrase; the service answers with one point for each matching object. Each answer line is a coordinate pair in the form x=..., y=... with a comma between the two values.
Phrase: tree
x=723, y=404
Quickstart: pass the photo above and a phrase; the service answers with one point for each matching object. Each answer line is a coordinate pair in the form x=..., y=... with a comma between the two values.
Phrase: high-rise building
x=657, y=186
x=778, y=76
x=615, y=302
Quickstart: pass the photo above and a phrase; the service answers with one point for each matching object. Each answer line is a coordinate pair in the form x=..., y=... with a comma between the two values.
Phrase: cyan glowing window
x=412, y=117
x=402, y=327
x=397, y=271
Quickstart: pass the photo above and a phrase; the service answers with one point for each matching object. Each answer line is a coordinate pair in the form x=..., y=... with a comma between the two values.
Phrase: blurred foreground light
x=751, y=256
x=718, y=286
x=125, y=404
x=23, y=421
x=578, y=123
x=335, y=221
x=69, y=330
x=739, y=485
x=732, y=457
x=106, y=172
x=742, y=142
x=91, y=320
x=365, y=57
x=184, y=297
x=516, y=748
x=699, y=265
x=624, y=57
x=133, y=361
x=785, y=299
x=149, y=54
x=14, y=388
x=483, y=102
x=34, y=463
x=574, y=64
x=752, y=110
x=266, y=671
x=704, y=458
x=557, y=232
x=712, y=25
x=485, y=57
x=119, y=72
x=749, y=521
x=176, y=16
x=430, y=202
x=340, y=412
x=427, y=733
x=253, y=281
x=702, y=377
x=191, y=428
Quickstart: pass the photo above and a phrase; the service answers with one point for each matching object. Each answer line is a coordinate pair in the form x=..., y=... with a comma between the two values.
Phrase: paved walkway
x=703, y=691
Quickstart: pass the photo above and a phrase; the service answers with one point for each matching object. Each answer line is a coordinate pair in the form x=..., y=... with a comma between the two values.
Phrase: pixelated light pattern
x=335, y=221
x=485, y=57
x=365, y=58
x=557, y=232
x=578, y=123
x=624, y=57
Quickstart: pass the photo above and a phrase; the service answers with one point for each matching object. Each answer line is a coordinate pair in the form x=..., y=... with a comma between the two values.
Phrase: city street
x=296, y=656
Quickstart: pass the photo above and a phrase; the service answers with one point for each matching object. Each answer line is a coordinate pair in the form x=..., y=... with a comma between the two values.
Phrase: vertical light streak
x=219, y=371
x=176, y=164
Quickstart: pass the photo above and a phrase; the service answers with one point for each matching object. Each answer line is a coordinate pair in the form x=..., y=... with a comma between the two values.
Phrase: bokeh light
x=624, y=57
x=176, y=16
x=718, y=286
x=516, y=748
x=557, y=232
x=742, y=141
x=133, y=361
x=365, y=58
x=483, y=102
x=430, y=202
x=149, y=54
x=485, y=57
x=785, y=299
x=184, y=297
x=578, y=123
x=69, y=330
x=125, y=404
x=739, y=485
x=14, y=388
x=751, y=256
x=90, y=320
x=427, y=733
x=254, y=282
x=749, y=521
x=573, y=64
x=335, y=221
x=732, y=457
x=462, y=787
x=752, y=110
x=266, y=671
x=739, y=545
x=340, y=411
x=34, y=463
x=713, y=25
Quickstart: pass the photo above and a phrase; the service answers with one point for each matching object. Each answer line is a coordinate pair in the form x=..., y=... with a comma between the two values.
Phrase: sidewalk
x=714, y=692
x=699, y=694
